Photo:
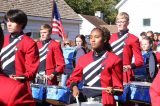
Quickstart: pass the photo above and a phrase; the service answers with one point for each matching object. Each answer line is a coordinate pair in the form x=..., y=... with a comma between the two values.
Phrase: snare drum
x=38, y=91
x=140, y=74
x=57, y=93
x=139, y=91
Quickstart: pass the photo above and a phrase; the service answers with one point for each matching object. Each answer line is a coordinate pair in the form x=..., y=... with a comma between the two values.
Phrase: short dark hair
x=148, y=39
x=106, y=36
x=151, y=32
x=17, y=16
x=105, y=33
x=143, y=34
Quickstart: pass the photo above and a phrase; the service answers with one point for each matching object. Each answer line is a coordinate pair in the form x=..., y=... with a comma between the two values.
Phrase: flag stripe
x=57, y=27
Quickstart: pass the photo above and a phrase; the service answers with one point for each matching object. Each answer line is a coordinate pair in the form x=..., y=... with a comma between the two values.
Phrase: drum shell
x=124, y=97
x=38, y=91
x=58, y=93
x=139, y=92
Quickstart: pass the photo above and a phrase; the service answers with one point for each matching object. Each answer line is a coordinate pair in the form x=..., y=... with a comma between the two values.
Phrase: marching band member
x=155, y=87
x=19, y=55
x=125, y=45
x=13, y=93
x=150, y=60
x=155, y=91
x=51, y=56
x=98, y=68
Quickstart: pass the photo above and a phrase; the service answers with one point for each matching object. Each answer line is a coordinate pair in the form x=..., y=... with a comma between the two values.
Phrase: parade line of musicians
x=109, y=62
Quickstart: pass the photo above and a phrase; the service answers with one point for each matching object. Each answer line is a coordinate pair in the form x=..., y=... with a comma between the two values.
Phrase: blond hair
x=46, y=26
x=122, y=15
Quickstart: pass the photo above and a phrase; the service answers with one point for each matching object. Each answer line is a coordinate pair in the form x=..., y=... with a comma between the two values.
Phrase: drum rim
x=88, y=103
x=139, y=83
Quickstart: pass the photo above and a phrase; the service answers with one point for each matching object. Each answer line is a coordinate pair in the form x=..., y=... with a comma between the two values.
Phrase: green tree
x=80, y=6
x=89, y=7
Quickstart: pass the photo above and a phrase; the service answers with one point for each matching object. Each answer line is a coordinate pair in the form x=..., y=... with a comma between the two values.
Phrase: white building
x=40, y=12
x=90, y=22
x=86, y=26
x=143, y=15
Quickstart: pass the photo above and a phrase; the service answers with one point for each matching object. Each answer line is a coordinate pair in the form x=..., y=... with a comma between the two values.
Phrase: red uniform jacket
x=26, y=57
x=14, y=93
x=155, y=87
x=54, y=60
x=111, y=75
x=155, y=91
x=131, y=47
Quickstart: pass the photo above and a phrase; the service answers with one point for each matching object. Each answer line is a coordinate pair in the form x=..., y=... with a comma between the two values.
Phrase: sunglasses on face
x=66, y=43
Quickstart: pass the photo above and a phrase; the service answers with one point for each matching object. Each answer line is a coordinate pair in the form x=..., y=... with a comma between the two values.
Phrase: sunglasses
x=66, y=43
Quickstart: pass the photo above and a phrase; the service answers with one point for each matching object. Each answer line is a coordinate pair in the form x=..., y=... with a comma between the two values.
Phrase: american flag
x=57, y=27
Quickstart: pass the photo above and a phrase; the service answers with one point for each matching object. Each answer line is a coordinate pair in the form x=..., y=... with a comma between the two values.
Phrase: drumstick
x=19, y=77
x=116, y=89
x=78, y=103
x=101, y=88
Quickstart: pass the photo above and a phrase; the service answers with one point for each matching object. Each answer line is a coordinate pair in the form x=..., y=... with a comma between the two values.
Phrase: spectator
x=150, y=34
x=80, y=41
x=149, y=57
x=155, y=36
x=158, y=37
x=68, y=53
x=158, y=45
x=82, y=47
x=142, y=35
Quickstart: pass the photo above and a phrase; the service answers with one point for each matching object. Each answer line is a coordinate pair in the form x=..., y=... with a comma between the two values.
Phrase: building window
x=35, y=35
x=147, y=22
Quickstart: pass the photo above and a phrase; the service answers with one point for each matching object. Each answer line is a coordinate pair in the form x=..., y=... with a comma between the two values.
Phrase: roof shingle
x=100, y=23
x=39, y=8
x=94, y=20
x=111, y=28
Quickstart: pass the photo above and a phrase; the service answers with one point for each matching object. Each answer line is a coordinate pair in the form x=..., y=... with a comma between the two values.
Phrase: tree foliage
x=89, y=7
